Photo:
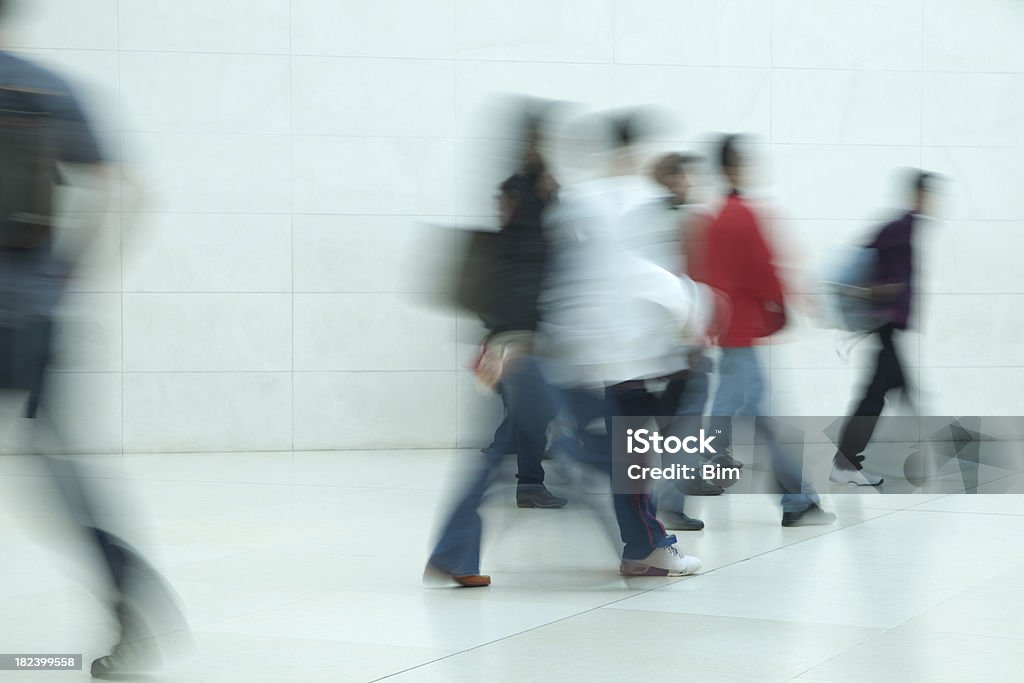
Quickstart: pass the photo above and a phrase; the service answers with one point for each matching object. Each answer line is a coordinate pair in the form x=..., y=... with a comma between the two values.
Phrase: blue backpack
x=848, y=292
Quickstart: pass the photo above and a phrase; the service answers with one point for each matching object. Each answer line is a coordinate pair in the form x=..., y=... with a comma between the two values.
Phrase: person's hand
x=490, y=367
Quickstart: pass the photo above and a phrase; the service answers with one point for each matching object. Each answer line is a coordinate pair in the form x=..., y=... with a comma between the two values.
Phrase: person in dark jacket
x=512, y=317
x=42, y=121
x=894, y=248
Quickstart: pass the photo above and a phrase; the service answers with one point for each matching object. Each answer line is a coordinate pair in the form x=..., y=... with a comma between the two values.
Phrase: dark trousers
x=528, y=410
x=888, y=375
x=639, y=528
x=685, y=398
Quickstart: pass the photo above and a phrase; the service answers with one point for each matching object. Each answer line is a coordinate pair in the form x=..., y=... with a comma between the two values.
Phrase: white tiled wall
x=286, y=158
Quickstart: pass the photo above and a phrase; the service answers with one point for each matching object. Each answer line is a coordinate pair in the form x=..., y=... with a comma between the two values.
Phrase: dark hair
x=521, y=189
x=670, y=164
x=623, y=131
x=517, y=186
x=628, y=127
x=922, y=181
x=728, y=152
x=673, y=163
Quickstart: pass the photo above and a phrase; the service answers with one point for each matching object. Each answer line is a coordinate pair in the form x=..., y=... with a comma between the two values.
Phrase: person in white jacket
x=613, y=318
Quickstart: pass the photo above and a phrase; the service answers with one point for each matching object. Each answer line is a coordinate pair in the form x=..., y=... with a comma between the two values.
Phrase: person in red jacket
x=737, y=262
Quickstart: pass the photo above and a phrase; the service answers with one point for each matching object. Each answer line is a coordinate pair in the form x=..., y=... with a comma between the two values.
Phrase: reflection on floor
x=306, y=567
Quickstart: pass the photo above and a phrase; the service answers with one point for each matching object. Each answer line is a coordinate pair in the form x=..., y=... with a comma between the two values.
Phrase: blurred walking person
x=44, y=134
x=512, y=314
x=663, y=237
x=737, y=261
x=891, y=295
x=615, y=320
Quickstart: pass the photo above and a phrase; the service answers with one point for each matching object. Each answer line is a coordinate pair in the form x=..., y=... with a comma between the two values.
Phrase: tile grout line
x=642, y=592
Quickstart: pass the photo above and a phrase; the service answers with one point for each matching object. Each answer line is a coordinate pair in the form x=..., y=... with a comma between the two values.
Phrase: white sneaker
x=850, y=476
x=666, y=561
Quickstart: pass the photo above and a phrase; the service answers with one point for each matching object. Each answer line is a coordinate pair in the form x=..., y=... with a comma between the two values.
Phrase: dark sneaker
x=702, y=487
x=725, y=460
x=127, y=659
x=537, y=496
x=811, y=516
x=677, y=521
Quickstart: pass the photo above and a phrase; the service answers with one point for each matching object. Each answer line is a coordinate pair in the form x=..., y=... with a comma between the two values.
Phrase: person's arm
x=764, y=279
x=693, y=240
x=892, y=276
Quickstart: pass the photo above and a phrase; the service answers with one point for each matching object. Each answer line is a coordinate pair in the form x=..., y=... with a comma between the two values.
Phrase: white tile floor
x=306, y=567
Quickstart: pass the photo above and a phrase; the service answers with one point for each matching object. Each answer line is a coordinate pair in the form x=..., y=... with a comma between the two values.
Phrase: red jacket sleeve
x=763, y=280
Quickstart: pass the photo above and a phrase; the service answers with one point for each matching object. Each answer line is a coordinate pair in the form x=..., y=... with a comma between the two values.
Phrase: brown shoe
x=432, y=573
x=473, y=580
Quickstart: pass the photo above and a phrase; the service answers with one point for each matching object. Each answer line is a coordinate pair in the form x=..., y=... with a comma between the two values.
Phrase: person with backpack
x=888, y=295
x=45, y=137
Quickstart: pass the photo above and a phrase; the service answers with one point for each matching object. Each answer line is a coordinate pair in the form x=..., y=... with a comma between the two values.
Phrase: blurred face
x=735, y=175
x=679, y=185
x=506, y=208
x=924, y=203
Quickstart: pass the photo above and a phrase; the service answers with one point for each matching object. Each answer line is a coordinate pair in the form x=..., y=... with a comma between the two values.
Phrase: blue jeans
x=529, y=407
x=741, y=393
x=458, y=550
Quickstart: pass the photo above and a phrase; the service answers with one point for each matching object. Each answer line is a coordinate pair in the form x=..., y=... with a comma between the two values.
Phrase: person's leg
x=457, y=552
x=529, y=397
x=800, y=502
x=648, y=548
x=532, y=404
x=530, y=408
x=146, y=608
x=857, y=432
x=641, y=532
x=787, y=464
x=730, y=397
x=731, y=400
x=686, y=398
x=755, y=395
x=693, y=397
x=503, y=441
x=639, y=528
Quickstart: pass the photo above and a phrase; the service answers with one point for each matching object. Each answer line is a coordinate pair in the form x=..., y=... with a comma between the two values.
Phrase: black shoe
x=725, y=460
x=537, y=496
x=677, y=521
x=811, y=516
x=127, y=659
x=702, y=487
